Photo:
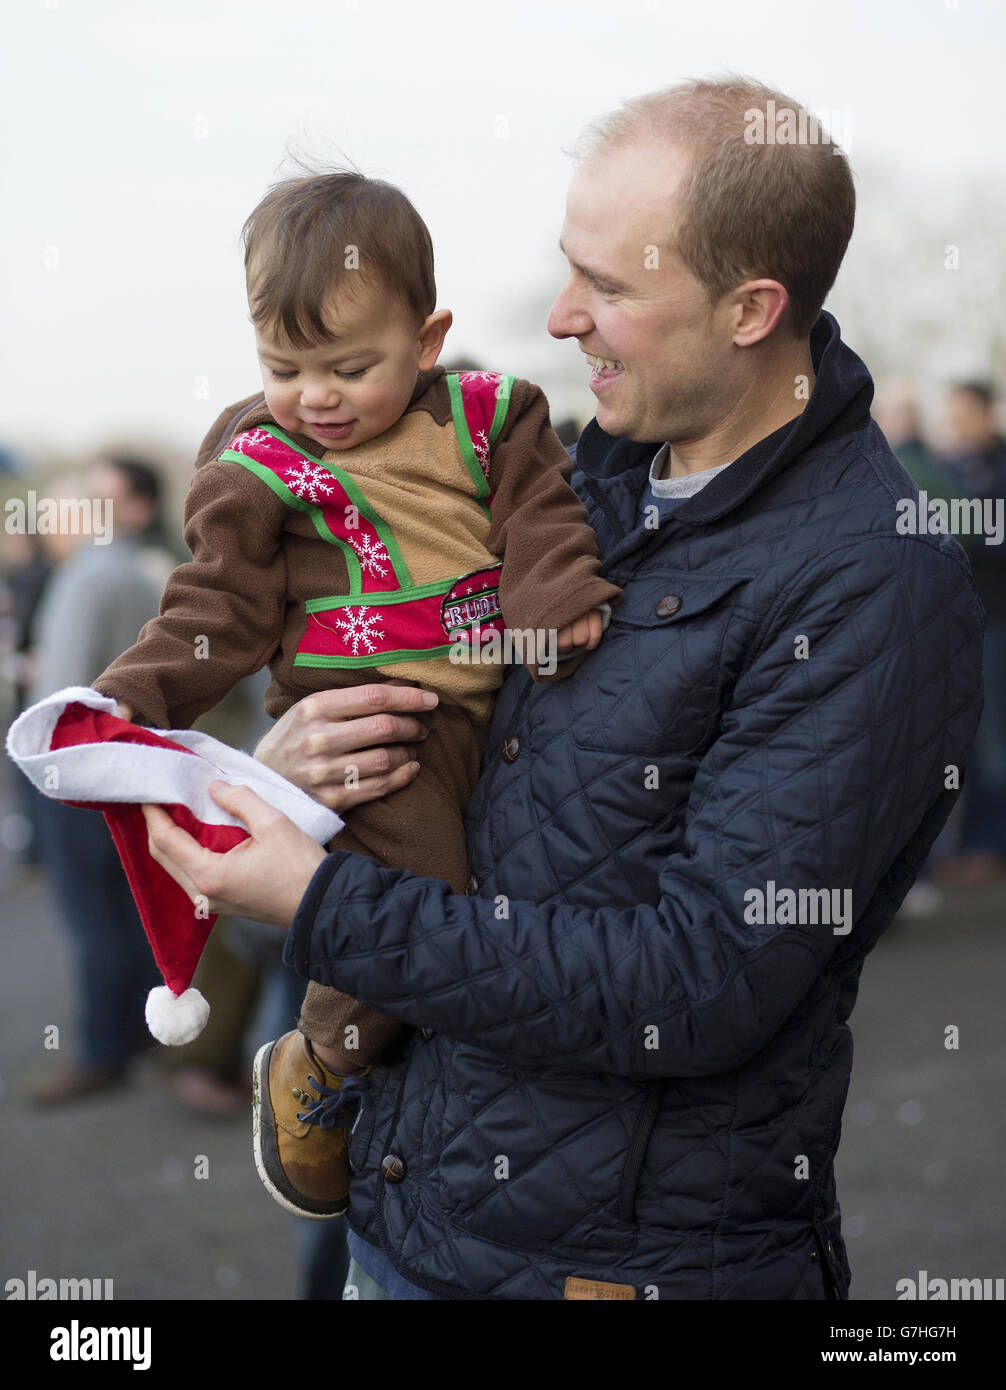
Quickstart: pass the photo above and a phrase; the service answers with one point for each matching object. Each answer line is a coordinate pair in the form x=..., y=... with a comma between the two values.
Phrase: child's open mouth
x=603, y=371
x=333, y=431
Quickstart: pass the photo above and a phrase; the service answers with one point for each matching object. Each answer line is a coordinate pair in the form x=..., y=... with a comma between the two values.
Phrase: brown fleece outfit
x=240, y=603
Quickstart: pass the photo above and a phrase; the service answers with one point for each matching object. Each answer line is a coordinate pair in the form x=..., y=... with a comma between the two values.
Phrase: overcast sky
x=138, y=135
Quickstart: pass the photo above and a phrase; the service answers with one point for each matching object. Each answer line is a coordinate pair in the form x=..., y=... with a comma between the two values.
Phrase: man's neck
x=763, y=408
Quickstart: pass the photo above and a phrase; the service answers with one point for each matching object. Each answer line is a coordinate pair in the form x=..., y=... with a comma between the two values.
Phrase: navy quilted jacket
x=630, y=1057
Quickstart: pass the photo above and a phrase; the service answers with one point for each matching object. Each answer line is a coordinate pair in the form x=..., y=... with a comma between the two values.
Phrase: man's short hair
x=315, y=236
x=747, y=208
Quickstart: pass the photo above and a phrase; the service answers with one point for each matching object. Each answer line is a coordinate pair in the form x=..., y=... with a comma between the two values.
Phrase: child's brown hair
x=311, y=237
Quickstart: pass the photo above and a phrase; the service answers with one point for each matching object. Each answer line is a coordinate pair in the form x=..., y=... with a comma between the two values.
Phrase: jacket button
x=668, y=606
x=427, y=1033
x=393, y=1168
x=511, y=750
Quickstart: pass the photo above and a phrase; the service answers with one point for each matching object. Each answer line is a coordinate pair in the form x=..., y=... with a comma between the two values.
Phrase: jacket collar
x=615, y=470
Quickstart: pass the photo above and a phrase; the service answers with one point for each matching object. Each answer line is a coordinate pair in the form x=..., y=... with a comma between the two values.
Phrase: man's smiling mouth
x=604, y=364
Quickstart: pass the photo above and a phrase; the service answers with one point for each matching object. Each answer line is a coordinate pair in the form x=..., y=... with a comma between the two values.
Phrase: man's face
x=357, y=383
x=663, y=366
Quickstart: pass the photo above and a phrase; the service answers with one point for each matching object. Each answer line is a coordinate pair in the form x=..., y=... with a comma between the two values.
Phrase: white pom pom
x=175, y=1019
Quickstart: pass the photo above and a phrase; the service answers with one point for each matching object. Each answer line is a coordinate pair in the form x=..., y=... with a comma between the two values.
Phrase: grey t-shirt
x=665, y=493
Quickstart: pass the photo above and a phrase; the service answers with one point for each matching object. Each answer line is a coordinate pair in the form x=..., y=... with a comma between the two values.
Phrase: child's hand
x=124, y=712
x=585, y=632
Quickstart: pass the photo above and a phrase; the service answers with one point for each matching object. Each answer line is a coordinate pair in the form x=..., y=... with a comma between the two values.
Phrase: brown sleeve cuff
x=551, y=568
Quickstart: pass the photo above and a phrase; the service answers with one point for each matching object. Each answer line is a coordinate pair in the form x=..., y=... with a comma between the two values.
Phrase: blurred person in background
x=98, y=596
x=27, y=568
x=896, y=410
x=132, y=482
x=976, y=466
x=10, y=462
x=27, y=572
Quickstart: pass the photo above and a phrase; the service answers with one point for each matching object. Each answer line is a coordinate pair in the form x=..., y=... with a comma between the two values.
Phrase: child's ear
x=431, y=338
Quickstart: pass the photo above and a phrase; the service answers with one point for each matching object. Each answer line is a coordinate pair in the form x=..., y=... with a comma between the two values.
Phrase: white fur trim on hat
x=125, y=772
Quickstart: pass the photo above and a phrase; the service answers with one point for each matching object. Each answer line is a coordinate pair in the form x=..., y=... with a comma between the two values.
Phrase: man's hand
x=264, y=877
x=585, y=632
x=124, y=711
x=323, y=737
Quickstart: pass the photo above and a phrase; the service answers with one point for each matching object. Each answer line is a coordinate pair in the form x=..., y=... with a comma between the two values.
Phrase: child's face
x=355, y=385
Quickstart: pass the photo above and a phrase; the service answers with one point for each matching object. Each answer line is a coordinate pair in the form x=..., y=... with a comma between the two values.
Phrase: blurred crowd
x=69, y=606
x=962, y=454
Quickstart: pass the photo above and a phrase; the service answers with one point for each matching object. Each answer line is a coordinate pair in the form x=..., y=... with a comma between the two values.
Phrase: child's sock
x=334, y=1058
x=346, y=1036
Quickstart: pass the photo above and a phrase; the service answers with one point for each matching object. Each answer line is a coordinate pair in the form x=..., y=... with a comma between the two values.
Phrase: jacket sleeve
x=551, y=572
x=221, y=614
x=821, y=774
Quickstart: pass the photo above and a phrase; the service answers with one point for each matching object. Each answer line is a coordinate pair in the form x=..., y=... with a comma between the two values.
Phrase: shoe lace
x=333, y=1102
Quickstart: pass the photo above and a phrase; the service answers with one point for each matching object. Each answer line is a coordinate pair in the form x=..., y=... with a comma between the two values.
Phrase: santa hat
x=75, y=749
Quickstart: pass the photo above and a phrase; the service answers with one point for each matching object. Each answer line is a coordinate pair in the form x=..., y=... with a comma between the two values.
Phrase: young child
x=345, y=526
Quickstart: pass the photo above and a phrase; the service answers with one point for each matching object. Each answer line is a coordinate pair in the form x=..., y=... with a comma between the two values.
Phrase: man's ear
x=759, y=304
x=431, y=337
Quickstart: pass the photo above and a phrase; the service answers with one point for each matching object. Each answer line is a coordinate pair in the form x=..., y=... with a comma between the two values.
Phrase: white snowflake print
x=308, y=480
x=359, y=629
x=480, y=443
x=466, y=377
x=372, y=555
x=249, y=440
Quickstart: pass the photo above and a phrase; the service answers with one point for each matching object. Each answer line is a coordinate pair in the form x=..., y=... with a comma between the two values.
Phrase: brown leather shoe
x=301, y=1114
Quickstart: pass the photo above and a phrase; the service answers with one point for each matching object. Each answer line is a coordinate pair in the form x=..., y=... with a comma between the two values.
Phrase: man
x=632, y=1050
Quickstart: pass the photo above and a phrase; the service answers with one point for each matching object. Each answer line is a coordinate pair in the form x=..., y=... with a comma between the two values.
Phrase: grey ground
x=107, y=1188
